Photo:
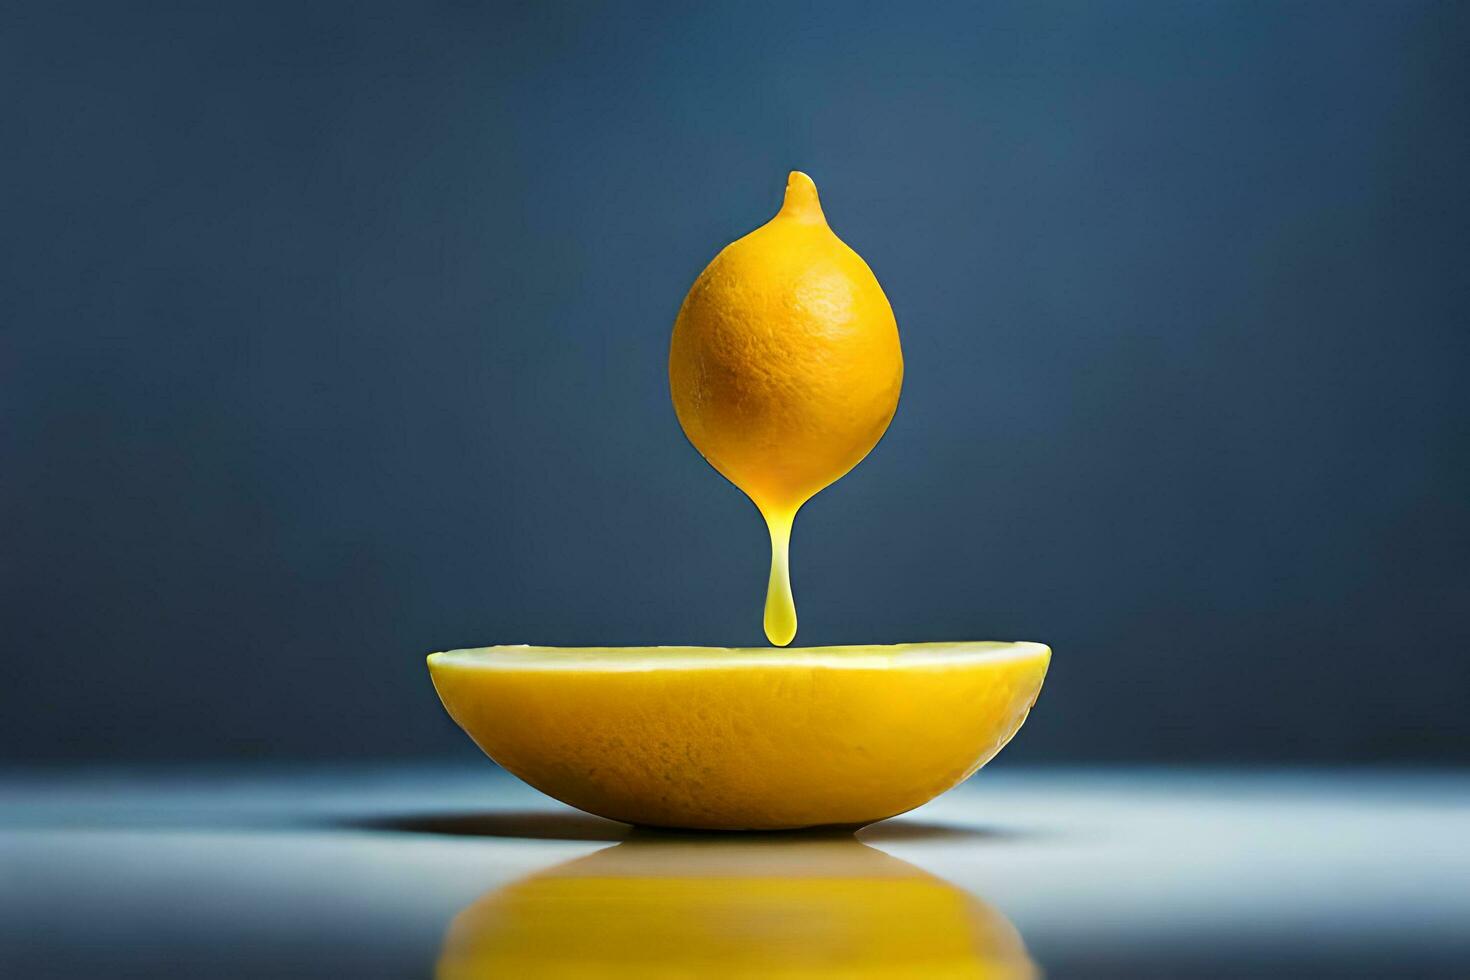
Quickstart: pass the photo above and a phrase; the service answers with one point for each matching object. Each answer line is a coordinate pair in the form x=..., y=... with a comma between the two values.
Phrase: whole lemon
x=785, y=369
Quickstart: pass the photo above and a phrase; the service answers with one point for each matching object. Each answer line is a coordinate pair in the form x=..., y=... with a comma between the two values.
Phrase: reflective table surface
x=453, y=872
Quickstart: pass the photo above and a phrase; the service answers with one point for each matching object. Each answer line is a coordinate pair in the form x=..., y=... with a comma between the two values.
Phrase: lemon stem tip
x=801, y=201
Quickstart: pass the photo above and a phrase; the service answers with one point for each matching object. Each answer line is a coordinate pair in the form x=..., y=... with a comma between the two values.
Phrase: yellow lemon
x=759, y=739
x=762, y=908
x=785, y=370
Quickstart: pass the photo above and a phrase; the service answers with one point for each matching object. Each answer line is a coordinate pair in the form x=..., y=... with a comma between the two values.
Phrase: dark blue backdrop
x=335, y=335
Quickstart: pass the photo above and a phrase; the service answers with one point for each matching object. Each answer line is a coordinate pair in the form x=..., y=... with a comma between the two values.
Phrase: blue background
x=333, y=335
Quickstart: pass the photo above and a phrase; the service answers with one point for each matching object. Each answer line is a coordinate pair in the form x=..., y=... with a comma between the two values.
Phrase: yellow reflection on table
x=660, y=906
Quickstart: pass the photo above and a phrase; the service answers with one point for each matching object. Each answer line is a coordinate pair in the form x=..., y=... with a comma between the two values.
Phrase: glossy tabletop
x=421, y=871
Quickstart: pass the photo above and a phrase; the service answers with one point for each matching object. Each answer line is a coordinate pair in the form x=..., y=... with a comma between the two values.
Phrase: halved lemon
x=742, y=739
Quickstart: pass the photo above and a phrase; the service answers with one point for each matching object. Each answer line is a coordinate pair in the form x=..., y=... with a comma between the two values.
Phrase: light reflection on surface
x=779, y=906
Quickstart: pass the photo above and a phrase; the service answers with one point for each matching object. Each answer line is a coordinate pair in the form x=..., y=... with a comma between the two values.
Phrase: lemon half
x=742, y=739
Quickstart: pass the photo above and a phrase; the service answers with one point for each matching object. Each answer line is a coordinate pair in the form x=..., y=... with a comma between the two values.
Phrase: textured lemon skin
x=785, y=370
x=785, y=366
x=742, y=739
x=759, y=909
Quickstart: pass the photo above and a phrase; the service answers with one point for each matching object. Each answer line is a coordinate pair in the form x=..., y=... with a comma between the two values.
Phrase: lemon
x=785, y=370
x=761, y=908
x=729, y=739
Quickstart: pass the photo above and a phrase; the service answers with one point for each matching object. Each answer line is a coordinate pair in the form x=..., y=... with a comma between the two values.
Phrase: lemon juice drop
x=780, y=620
x=785, y=370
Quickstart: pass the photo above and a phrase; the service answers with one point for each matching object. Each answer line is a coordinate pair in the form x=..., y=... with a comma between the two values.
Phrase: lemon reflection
x=655, y=906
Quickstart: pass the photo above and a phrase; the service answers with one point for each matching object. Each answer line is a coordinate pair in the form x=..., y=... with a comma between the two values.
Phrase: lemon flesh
x=742, y=739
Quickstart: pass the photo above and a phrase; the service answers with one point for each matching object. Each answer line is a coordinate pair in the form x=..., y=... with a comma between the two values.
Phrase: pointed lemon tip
x=801, y=201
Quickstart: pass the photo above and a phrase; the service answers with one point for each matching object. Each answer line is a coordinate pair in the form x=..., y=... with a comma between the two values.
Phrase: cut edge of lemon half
x=899, y=655
x=742, y=739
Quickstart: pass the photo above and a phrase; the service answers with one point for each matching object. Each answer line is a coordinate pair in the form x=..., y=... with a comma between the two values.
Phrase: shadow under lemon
x=659, y=905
